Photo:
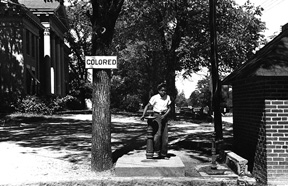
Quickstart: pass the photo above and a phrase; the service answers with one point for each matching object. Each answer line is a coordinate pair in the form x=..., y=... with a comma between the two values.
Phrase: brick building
x=33, y=56
x=260, y=111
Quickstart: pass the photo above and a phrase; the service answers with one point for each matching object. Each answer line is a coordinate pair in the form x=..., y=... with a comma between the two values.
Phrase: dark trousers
x=160, y=133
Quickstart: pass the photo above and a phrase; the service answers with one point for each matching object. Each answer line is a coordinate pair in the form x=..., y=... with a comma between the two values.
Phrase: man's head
x=162, y=89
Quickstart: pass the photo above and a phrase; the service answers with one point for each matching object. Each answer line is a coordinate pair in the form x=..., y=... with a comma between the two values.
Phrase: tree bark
x=101, y=122
x=170, y=81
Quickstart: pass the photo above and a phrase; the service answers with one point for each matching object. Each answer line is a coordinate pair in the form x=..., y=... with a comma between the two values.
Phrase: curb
x=140, y=181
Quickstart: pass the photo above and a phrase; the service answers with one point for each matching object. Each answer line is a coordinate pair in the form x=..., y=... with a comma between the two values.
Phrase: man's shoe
x=156, y=155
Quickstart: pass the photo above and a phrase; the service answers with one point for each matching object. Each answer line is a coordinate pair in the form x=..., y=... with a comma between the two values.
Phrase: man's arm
x=144, y=111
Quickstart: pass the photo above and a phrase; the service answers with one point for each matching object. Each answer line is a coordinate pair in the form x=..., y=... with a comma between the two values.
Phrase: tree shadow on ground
x=198, y=137
x=73, y=136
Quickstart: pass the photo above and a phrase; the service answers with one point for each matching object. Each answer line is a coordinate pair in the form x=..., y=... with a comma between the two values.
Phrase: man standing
x=161, y=107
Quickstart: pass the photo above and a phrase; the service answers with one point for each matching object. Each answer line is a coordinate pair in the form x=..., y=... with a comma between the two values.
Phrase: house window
x=28, y=42
x=31, y=82
x=33, y=45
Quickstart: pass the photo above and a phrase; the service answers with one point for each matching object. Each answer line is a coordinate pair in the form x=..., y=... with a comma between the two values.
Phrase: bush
x=131, y=103
x=8, y=101
x=32, y=104
x=46, y=104
x=56, y=103
x=73, y=103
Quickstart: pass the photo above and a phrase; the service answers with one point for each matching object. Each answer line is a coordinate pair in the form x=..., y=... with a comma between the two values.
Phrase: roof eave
x=42, y=10
x=254, y=60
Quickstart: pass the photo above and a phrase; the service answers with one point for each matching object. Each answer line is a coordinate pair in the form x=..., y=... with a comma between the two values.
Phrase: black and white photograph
x=143, y=92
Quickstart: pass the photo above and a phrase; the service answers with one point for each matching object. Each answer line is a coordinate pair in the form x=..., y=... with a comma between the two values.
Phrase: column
x=47, y=60
x=58, y=67
x=62, y=69
x=53, y=65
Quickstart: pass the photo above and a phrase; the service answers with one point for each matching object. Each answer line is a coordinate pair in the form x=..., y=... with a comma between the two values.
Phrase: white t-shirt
x=160, y=104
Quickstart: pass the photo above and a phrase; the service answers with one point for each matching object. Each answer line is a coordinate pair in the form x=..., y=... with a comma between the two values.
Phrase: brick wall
x=276, y=111
x=277, y=139
x=248, y=109
x=261, y=127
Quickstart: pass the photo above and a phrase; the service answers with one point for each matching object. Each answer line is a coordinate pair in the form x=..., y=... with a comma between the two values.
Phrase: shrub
x=7, y=102
x=46, y=104
x=131, y=103
x=56, y=103
x=72, y=103
x=32, y=104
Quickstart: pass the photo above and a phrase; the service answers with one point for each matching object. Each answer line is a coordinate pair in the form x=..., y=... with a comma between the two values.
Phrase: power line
x=271, y=7
x=268, y=3
x=263, y=4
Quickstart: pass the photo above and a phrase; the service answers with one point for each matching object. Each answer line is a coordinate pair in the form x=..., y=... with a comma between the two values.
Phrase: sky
x=275, y=15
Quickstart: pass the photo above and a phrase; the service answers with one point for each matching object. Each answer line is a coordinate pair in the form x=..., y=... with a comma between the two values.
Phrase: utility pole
x=216, y=87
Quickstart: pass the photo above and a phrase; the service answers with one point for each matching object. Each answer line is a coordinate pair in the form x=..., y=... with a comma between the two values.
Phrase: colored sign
x=101, y=62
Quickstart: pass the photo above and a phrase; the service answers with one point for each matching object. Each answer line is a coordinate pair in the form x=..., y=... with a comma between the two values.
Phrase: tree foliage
x=159, y=24
x=194, y=99
x=201, y=97
x=178, y=31
x=79, y=40
x=238, y=35
x=139, y=72
x=181, y=101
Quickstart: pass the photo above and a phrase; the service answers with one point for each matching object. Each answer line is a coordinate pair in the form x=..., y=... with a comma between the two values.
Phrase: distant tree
x=181, y=101
x=238, y=35
x=194, y=99
x=202, y=95
x=160, y=24
x=141, y=60
x=79, y=40
x=226, y=97
x=139, y=71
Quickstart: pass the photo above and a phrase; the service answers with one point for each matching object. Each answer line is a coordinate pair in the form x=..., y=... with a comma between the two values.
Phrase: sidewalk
x=56, y=151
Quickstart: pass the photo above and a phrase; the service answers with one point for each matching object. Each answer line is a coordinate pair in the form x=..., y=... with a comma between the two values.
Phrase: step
x=136, y=164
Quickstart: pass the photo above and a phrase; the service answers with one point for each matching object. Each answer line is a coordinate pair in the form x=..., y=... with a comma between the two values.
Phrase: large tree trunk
x=103, y=19
x=170, y=81
x=101, y=121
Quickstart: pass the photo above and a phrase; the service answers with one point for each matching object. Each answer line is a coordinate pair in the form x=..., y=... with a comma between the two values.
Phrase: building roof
x=40, y=4
x=12, y=9
x=47, y=7
x=270, y=60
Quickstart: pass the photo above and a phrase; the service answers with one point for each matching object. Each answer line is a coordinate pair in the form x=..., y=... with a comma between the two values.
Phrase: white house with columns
x=33, y=56
x=53, y=67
